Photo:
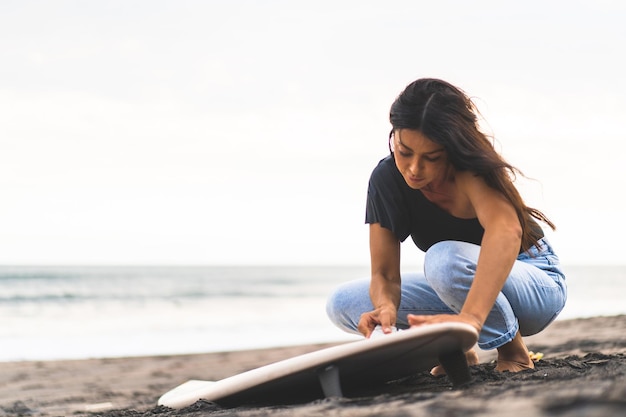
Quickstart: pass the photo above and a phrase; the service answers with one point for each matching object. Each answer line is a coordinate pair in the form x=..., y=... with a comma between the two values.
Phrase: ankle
x=515, y=351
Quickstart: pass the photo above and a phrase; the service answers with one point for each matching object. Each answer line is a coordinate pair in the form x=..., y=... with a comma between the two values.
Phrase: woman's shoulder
x=386, y=162
x=385, y=167
x=466, y=180
x=385, y=174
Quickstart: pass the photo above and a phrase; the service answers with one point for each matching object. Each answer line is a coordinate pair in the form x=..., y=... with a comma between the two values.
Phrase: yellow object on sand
x=536, y=357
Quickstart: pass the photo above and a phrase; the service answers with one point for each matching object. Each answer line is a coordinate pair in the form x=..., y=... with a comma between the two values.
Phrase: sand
x=582, y=373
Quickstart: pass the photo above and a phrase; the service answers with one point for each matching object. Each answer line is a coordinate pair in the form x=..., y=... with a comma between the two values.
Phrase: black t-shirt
x=405, y=211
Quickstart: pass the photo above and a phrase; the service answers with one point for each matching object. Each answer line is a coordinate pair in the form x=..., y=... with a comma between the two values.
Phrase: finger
x=366, y=325
x=419, y=320
x=362, y=328
x=386, y=322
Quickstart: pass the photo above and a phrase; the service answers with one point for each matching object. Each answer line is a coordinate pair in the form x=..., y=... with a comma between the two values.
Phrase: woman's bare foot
x=470, y=355
x=514, y=356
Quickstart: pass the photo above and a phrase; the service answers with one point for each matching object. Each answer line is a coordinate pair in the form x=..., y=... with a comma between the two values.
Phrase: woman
x=487, y=262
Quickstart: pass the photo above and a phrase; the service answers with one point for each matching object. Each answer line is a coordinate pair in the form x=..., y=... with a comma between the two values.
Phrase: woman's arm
x=385, y=282
x=499, y=247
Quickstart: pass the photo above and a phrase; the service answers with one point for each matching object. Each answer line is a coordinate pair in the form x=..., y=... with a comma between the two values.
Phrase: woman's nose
x=414, y=167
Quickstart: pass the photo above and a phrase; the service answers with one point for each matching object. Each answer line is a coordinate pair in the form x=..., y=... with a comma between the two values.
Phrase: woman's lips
x=416, y=181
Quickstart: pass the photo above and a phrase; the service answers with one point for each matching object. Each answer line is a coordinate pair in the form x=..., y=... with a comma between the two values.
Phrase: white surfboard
x=345, y=369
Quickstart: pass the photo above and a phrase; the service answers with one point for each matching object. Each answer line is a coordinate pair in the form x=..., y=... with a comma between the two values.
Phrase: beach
x=582, y=373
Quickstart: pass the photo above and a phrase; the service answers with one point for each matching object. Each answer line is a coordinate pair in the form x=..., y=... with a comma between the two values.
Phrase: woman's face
x=422, y=162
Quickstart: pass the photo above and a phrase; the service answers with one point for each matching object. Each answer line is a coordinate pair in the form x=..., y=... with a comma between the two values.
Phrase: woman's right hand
x=384, y=316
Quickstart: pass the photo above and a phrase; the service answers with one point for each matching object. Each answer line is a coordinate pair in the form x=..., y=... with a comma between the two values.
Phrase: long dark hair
x=448, y=117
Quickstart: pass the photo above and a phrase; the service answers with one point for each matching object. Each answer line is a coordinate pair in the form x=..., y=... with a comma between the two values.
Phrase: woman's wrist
x=473, y=320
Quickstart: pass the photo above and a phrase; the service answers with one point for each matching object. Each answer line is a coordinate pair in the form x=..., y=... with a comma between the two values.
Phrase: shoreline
x=584, y=365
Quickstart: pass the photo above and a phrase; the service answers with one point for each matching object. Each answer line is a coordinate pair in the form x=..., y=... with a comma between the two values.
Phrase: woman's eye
x=404, y=154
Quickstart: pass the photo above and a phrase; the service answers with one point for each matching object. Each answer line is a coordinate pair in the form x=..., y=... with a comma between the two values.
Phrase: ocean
x=72, y=312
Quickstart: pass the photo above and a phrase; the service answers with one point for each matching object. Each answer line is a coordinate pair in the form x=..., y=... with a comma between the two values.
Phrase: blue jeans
x=532, y=297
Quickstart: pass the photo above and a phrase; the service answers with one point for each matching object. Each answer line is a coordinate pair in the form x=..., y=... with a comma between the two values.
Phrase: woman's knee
x=346, y=304
x=450, y=257
x=449, y=268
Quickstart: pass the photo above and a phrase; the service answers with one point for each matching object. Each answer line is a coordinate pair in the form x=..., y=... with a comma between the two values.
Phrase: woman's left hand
x=415, y=320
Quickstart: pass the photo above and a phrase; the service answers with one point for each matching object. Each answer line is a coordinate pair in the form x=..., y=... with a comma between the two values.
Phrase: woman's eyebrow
x=400, y=142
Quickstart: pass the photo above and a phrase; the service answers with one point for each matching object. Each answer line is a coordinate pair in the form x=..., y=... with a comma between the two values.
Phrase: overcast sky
x=244, y=132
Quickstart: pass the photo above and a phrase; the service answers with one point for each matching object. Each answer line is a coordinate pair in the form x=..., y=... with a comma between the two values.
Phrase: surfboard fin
x=455, y=365
x=329, y=380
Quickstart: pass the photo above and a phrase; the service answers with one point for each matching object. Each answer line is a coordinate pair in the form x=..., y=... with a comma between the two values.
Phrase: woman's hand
x=444, y=318
x=385, y=316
